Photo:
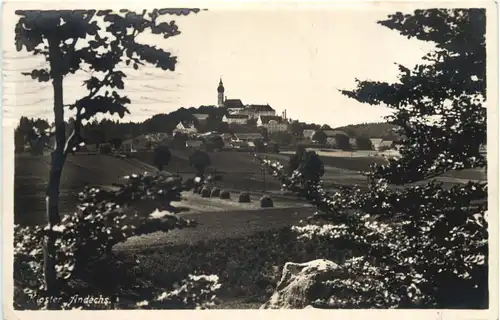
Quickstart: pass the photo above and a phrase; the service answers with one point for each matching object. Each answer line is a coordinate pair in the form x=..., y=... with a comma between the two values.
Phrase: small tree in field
x=319, y=136
x=422, y=245
x=363, y=143
x=161, y=157
x=200, y=160
x=59, y=36
x=342, y=142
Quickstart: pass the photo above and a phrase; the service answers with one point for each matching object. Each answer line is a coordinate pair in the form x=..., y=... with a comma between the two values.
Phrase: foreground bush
x=266, y=202
x=424, y=245
x=84, y=239
x=215, y=193
x=244, y=197
x=224, y=194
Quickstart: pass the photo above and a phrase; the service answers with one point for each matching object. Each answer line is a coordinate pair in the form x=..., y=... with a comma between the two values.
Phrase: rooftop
x=333, y=133
x=233, y=104
x=267, y=119
x=260, y=107
x=236, y=116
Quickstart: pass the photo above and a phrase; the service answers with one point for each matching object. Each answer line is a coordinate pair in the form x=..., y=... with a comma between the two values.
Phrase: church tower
x=220, y=94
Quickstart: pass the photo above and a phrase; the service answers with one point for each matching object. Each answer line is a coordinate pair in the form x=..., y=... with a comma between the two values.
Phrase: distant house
x=140, y=143
x=185, y=127
x=308, y=133
x=156, y=138
x=385, y=144
x=376, y=142
x=352, y=142
x=201, y=117
x=235, y=118
x=194, y=144
x=233, y=105
x=254, y=111
x=273, y=123
x=245, y=137
x=332, y=134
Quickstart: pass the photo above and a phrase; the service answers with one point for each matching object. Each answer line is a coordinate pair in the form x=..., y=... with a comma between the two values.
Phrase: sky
x=291, y=59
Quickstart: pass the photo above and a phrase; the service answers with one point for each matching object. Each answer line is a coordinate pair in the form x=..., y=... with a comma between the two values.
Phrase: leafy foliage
x=85, y=238
x=342, y=142
x=363, y=143
x=319, y=136
x=382, y=130
x=423, y=246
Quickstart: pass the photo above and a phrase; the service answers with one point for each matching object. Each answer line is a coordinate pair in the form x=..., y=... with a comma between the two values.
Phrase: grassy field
x=31, y=175
x=248, y=266
x=245, y=247
x=239, y=171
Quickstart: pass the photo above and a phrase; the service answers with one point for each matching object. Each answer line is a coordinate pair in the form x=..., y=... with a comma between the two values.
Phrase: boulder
x=301, y=284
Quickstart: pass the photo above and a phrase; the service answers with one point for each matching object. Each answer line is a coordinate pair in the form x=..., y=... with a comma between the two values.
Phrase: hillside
x=371, y=130
x=31, y=174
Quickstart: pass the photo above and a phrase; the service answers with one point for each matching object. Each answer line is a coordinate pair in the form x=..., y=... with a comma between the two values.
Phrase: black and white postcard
x=321, y=159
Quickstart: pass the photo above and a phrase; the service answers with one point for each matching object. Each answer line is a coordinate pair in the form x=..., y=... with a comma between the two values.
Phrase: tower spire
x=220, y=94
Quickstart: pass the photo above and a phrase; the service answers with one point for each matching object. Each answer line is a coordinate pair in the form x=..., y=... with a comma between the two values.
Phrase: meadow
x=245, y=245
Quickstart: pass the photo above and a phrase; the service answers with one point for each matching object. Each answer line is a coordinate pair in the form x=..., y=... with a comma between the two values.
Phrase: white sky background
x=291, y=59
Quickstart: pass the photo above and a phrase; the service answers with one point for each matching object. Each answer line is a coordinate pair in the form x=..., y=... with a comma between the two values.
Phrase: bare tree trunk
x=57, y=163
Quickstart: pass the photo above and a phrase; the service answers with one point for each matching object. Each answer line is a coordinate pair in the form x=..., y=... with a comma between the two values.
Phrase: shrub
x=205, y=192
x=161, y=157
x=266, y=202
x=422, y=245
x=244, y=197
x=84, y=241
x=215, y=193
x=224, y=194
x=200, y=160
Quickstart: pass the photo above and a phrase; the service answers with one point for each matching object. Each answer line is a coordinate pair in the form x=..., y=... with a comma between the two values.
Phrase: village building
x=201, y=117
x=254, y=111
x=376, y=143
x=273, y=123
x=308, y=134
x=237, y=108
x=235, y=118
x=353, y=142
x=247, y=136
x=194, y=144
x=185, y=127
x=331, y=135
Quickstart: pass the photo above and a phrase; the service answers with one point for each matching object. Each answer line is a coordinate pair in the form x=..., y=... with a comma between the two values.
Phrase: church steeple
x=220, y=94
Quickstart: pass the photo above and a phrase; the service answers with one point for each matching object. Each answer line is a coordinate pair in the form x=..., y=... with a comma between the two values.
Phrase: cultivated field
x=31, y=175
x=239, y=171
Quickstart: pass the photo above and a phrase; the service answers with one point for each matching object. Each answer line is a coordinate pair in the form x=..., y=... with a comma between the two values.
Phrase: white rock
x=301, y=284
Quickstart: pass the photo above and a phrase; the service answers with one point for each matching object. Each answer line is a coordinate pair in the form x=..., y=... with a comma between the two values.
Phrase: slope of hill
x=31, y=174
x=370, y=130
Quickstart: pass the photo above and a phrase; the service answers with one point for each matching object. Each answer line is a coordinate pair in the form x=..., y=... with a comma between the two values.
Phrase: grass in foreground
x=249, y=267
